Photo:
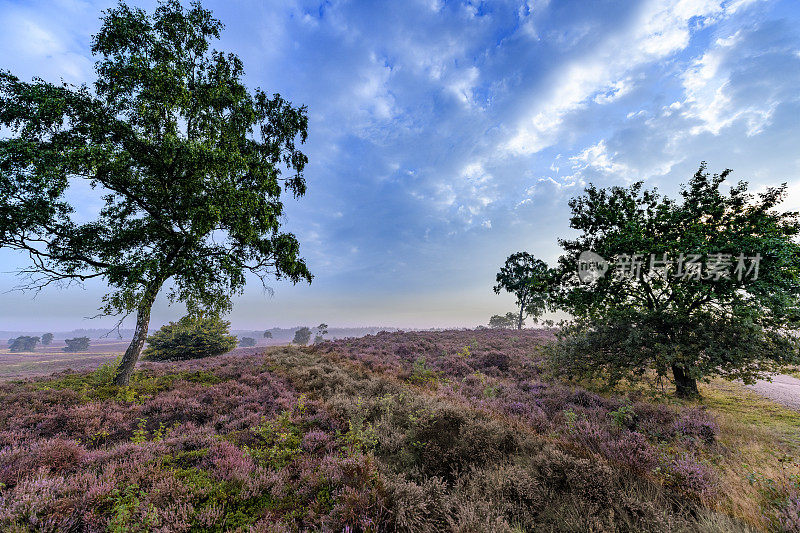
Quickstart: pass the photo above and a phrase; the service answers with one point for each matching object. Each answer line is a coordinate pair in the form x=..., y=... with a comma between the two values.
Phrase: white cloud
x=598, y=158
x=741, y=77
x=614, y=91
x=661, y=28
x=463, y=84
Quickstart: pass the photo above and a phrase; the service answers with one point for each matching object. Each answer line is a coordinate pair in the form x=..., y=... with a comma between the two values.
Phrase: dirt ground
x=784, y=390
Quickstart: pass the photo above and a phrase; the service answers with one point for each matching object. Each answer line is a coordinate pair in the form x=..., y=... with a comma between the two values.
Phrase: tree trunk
x=685, y=385
x=519, y=320
x=126, y=367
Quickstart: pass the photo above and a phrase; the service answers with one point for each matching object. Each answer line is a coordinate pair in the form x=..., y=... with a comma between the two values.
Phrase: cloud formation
x=446, y=135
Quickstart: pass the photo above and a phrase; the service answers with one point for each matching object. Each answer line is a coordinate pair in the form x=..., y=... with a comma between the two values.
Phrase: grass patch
x=99, y=384
x=759, y=417
x=762, y=441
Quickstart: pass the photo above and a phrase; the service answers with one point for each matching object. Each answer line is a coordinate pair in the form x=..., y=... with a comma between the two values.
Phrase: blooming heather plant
x=354, y=434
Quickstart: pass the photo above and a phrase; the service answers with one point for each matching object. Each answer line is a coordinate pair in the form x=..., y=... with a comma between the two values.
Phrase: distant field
x=49, y=359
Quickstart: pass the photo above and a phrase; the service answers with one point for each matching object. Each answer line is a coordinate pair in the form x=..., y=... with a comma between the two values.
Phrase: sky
x=444, y=136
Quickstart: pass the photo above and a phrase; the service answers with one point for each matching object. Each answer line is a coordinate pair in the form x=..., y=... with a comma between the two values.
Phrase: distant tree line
x=26, y=343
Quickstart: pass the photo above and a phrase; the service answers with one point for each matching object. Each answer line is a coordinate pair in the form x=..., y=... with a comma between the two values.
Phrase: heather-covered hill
x=418, y=431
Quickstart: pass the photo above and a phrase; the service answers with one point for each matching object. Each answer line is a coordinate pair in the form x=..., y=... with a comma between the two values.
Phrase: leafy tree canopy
x=47, y=338
x=23, y=344
x=267, y=334
x=322, y=330
x=191, y=337
x=530, y=280
x=192, y=166
x=507, y=321
x=247, y=342
x=302, y=336
x=693, y=322
x=78, y=344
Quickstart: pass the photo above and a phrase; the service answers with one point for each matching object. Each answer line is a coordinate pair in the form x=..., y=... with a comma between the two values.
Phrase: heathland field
x=419, y=431
x=46, y=360
x=49, y=359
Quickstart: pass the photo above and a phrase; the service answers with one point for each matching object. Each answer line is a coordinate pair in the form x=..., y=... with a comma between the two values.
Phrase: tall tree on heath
x=302, y=336
x=530, y=280
x=706, y=284
x=192, y=165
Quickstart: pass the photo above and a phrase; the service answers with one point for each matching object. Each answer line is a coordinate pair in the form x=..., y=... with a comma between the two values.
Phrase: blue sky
x=446, y=135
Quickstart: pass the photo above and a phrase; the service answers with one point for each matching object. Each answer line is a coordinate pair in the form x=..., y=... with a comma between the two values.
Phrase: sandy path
x=784, y=390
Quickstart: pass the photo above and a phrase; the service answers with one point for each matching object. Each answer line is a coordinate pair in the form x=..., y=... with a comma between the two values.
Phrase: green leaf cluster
x=530, y=280
x=189, y=338
x=691, y=326
x=302, y=336
x=78, y=344
x=24, y=343
x=507, y=321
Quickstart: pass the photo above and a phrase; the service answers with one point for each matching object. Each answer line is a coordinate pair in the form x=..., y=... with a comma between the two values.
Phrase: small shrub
x=190, y=338
x=360, y=434
x=279, y=441
x=780, y=499
x=697, y=423
x=127, y=510
x=692, y=476
x=622, y=417
x=247, y=342
x=421, y=373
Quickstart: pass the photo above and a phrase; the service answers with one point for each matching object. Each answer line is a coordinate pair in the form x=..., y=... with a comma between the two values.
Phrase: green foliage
x=99, y=385
x=623, y=417
x=78, y=344
x=181, y=150
x=570, y=418
x=240, y=509
x=530, y=280
x=127, y=515
x=302, y=336
x=279, y=441
x=247, y=342
x=47, y=338
x=141, y=434
x=322, y=330
x=777, y=494
x=361, y=435
x=23, y=344
x=420, y=372
x=189, y=338
x=507, y=321
x=696, y=326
